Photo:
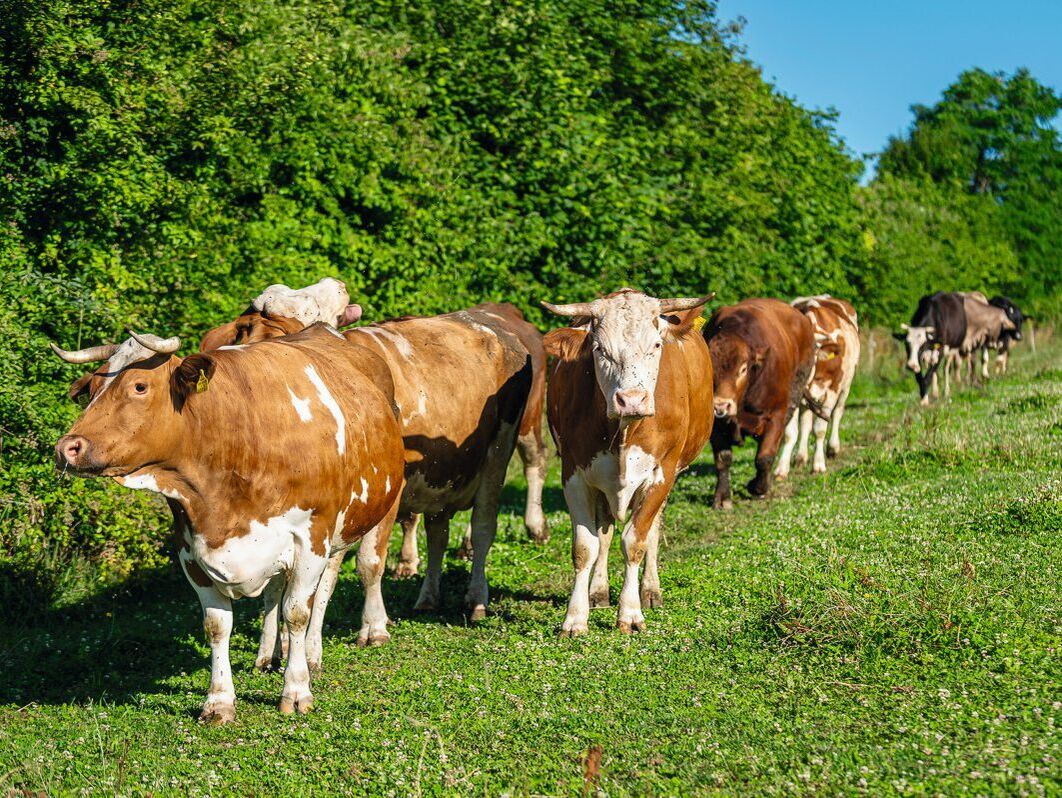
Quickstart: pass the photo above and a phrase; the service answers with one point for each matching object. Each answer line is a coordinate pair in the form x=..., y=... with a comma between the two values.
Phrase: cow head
x=627, y=331
x=916, y=340
x=280, y=310
x=134, y=400
x=735, y=364
x=1014, y=315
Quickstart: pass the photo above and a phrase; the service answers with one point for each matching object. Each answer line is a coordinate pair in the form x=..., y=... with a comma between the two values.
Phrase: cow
x=462, y=380
x=986, y=324
x=278, y=485
x=629, y=407
x=937, y=332
x=763, y=357
x=836, y=330
x=1009, y=337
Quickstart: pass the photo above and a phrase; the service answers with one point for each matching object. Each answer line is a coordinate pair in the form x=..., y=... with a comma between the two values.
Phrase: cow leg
x=408, y=558
x=323, y=594
x=464, y=551
x=303, y=579
x=651, y=595
x=724, y=457
x=760, y=485
x=605, y=525
x=819, y=464
x=586, y=548
x=805, y=434
x=437, y=530
x=1001, y=361
x=533, y=455
x=834, y=447
x=220, y=704
x=781, y=470
x=485, y=520
x=984, y=362
x=372, y=561
x=635, y=541
x=270, y=642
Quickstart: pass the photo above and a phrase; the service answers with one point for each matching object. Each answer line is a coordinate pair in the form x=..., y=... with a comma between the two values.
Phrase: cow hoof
x=628, y=627
x=756, y=491
x=833, y=451
x=267, y=664
x=599, y=599
x=802, y=460
x=217, y=714
x=819, y=469
x=725, y=504
x=426, y=605
x=406, y=570
x=781, y=477
x=573, y=630
x=539, y=536
x=652, y=599
x=302, y=705
x=373, y=639
x=477, y=614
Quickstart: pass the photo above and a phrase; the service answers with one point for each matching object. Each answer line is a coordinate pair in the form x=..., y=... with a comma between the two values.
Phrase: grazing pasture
x=889, y=627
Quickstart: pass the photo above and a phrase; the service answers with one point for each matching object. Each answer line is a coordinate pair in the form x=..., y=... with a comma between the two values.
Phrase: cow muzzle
x=74, y=452
x=724, y=408
x=632, y=404
x=914, y=366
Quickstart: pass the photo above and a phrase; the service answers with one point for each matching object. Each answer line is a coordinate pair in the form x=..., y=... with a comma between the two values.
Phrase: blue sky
x=872, y=60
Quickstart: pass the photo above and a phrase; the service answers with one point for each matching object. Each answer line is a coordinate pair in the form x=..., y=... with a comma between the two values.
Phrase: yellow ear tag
x=202, y=383
x=699, y=322
x=831, y=355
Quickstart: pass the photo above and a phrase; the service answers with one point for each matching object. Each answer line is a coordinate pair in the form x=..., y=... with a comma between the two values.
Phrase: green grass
x=891, y=627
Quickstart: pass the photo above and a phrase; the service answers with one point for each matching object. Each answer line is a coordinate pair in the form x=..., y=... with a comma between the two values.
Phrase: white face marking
x=627, y=339
x=333, y=407
x=324, y=301
x=243, y=566
x=302, y=406
x=917, y=338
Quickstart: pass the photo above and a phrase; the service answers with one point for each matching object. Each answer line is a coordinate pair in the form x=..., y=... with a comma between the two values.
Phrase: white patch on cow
x=243, y=565
x=335, y=332
x=302, y=406
x=147, y=481
x=466, y=317
x=323, y=301
x=130, y=351
x=622, y=477
x=387, y=485
x=232, y=348
x=332, y=405
x=399, y=341
x=363, y=497
x=422, y=403
x=917, y=339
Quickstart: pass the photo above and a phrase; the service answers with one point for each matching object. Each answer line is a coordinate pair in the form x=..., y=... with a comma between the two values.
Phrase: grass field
x=891, y=627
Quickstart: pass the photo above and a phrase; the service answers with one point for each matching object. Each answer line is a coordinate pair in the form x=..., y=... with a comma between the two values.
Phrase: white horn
x=164, y=346
x=93, y=354
x=673, y=305
x=575, y=309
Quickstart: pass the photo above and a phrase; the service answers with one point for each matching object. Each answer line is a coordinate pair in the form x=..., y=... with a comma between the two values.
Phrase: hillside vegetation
x=163, y=161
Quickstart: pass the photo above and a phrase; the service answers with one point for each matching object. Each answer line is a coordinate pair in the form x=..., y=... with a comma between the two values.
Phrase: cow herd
x=284, y=441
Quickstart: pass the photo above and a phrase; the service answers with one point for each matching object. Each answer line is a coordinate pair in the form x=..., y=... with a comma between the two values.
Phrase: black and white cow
x=1007, y=339
x=936, y=331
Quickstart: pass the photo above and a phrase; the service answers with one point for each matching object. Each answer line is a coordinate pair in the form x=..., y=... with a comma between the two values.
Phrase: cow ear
x=225, y=335
x=191, y=376
x=899, y=336
x=563, y=342
x=80, y=386
x=351, y=314
x=678, y=322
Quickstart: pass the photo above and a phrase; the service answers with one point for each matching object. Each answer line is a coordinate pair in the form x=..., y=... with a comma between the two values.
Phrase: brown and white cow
x=461, y=381
x=277, y=485
x=629, y=406
x=836, y=357
x=763, y=356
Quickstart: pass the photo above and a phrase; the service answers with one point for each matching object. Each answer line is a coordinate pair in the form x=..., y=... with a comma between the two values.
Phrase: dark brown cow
x=629, y=406
x=279, y=485
x=763, y=354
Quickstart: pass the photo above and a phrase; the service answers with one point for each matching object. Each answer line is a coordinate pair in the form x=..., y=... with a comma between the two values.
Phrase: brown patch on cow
x=197, y=574
x=249, y=328
x=213, y=629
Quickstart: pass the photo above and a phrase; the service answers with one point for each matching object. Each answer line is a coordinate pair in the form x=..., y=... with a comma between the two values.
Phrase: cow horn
x=93, y=354
x=575, y=309
x=164, y=346
x=905, y=327
x=673, y=305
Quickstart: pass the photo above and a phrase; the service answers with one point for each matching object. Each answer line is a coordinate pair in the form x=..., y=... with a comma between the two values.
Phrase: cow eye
x=140, y=387
x=658, y=344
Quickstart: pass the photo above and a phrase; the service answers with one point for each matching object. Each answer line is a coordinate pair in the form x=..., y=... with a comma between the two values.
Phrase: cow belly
x=243, y=565
x=640, y=470
x=420, y=496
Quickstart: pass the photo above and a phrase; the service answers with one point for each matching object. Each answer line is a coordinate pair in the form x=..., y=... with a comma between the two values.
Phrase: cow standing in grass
x=836, y=357
x=763, y=356
x=629, y=406
x=937, y=332
x=1008, y=337
x=275, y=457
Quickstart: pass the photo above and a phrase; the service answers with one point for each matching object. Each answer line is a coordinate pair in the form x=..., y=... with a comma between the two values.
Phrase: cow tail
x=815, y=406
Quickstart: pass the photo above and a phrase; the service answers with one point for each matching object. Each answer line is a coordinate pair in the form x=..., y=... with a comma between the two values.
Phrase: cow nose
x=913, y=366
x=724, y=408
x=633, y=403
x=70, y=450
